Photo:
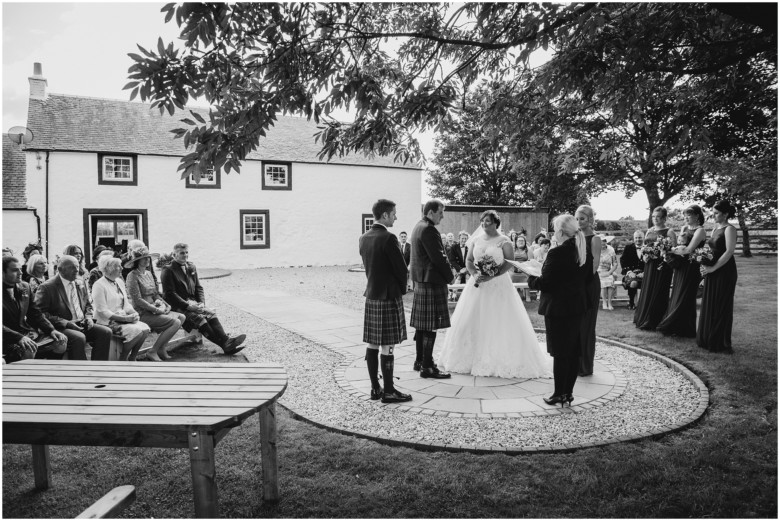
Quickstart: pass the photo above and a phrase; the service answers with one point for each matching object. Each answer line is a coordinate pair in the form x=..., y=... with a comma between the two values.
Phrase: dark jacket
x=629, y=259
x=562, y=283
x=406, y=249
x=178, y=288
x=385, y=267
x=456, y=258
x=429, y=262
x=21, y=315
x=52, y=300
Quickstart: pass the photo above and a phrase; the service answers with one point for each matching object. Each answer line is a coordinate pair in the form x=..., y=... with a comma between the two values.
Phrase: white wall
x=316, y=223
x=20, y=228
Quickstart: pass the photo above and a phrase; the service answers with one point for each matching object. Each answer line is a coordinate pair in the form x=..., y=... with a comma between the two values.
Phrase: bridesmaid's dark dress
x=717, y=304
x=588, y=327
x=680, y=318
x=654, y=298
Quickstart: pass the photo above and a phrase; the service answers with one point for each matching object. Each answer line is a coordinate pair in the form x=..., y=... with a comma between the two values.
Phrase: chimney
x=38, y=83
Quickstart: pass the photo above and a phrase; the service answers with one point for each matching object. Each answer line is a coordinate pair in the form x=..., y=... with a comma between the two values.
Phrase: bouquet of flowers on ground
x=703, y=256
x=486, y=265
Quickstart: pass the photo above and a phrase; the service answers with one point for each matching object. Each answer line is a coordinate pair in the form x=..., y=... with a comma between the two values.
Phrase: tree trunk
x=745, y=235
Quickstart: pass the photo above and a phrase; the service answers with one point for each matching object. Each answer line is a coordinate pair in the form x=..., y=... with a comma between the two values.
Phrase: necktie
x=74, y=301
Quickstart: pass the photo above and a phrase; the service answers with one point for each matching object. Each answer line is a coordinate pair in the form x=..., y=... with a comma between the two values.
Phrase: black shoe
x=555, y=399
x=234, y=351
x=433, y=372
x=232, y=343
x=395, y=397
x=376, y=393
x=569, y=398
x=417, y=366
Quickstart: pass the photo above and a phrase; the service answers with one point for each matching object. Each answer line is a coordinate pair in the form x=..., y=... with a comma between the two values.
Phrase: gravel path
x=656, y=399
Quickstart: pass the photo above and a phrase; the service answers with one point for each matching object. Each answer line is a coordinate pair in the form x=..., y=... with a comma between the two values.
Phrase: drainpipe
x=46, y=246
x=37, y=219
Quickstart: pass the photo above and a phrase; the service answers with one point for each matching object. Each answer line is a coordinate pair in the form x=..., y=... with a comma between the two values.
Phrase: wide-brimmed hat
x=136, y=254
x=608, y=238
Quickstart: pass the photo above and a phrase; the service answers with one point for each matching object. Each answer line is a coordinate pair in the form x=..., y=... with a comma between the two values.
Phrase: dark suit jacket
x=457, y=260
x=406, y=249
x=178, y=287
x=385, y=267
x=562, y=283
x=429, y=262
x=21, y=315
x=52, y=299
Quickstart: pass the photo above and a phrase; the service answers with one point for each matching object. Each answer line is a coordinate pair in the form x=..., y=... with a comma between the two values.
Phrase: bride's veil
x=479, y=232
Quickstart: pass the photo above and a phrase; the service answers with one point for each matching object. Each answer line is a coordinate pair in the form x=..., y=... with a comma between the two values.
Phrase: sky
x=83, y=49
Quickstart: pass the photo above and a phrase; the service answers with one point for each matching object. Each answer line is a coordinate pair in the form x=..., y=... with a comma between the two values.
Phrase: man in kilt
x=431, y=272
x=384, y=323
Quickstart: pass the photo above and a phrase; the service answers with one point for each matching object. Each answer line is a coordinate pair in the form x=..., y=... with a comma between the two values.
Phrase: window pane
x=118, y=168
x=254, y=229
x=276, y=175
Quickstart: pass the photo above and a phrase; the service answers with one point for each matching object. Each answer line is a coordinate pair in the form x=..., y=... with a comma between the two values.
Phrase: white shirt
x=76, y=314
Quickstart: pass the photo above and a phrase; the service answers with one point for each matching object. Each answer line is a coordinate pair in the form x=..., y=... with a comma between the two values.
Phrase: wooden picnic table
x=143, y=404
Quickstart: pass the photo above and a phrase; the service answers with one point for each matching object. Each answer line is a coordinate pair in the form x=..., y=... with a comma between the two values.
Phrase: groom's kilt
x=384, y=322
x=429, y=307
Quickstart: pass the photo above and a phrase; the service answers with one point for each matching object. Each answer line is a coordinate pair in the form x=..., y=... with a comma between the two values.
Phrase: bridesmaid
x=680, y=318
x=585, y=219
x=720, y=281
x=654, y=298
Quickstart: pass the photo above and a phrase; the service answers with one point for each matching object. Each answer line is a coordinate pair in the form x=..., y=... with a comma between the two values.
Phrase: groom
x=431, y=272
x=384, y=323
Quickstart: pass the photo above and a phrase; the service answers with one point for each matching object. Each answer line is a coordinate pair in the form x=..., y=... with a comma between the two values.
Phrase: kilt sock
x=372, y=362
x=418, y=344
x=212, y=335
x=429, y=338
x=388, y=364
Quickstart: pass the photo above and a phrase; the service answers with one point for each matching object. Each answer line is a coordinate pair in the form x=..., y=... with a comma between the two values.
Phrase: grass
x=723, y=466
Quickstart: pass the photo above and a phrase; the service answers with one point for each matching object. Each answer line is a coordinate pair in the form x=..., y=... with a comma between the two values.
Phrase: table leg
x=204, y=474
x=268, y=452
x=41, y=466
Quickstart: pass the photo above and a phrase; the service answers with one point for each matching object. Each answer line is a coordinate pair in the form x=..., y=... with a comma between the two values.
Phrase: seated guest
x=134, y=245
x=182, y=289
x=75, y=251
x=521, y=249
x=95, y=273
x=113, y=308
x=632, y=267
x=35, y=274
x=541, y=252
x=33, y=248
x=26, y=331
x=608, y=264
x=146, y=299
x=512, y=236
x=457, y=256
x=95, y=254
x=65, y=302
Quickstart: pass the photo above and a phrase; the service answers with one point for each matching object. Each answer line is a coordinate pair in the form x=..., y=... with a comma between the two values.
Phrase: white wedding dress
x=491, y=334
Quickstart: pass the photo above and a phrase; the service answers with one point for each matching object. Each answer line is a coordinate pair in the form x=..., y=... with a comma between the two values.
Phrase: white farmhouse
x=105, y=171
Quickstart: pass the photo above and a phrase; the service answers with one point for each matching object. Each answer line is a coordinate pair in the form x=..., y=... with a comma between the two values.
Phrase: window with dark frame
x=255, y=229
x=277, y=175
x=118, y=169
x=368, y=222
x=211, y=179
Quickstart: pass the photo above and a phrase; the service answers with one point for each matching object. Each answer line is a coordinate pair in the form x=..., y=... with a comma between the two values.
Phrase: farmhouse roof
x=84, y=124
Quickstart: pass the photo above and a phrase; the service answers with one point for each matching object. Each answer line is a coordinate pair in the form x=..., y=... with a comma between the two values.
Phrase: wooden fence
x=762, y=241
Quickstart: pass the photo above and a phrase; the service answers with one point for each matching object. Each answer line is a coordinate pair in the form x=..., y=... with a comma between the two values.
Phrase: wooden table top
x=137, y=395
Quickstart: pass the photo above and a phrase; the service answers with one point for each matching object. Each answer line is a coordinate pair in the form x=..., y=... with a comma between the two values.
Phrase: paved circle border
x=689, y=421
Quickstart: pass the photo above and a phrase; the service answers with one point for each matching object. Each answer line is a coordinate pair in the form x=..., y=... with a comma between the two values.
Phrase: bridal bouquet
x=664, y=247
x=651, y=250
x=486, y=265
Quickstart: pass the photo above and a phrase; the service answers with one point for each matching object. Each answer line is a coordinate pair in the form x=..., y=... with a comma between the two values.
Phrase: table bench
x=139, y=404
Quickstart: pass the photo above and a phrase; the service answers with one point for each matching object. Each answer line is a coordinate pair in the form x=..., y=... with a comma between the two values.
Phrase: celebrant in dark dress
x=585, y=218
x=680, y=318
x=654, y=299
x=720, y=282
x=563, y=304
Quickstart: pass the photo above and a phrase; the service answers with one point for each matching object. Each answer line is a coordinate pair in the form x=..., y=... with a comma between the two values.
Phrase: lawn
x=723, y=466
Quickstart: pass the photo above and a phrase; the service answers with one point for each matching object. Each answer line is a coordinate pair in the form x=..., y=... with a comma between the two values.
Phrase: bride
x=491, y=334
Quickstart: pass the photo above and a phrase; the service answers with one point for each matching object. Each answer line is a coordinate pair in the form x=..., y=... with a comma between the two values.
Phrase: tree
x=253, y=61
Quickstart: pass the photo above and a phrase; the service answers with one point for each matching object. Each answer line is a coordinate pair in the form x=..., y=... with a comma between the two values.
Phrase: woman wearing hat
x=720, y=282
x=146, y=299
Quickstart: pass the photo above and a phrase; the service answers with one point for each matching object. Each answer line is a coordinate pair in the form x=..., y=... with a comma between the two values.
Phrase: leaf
x=197, y=116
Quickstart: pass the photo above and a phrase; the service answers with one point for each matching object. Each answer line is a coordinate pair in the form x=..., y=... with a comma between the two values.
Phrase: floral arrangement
x=486, y=265
x=165, y=260
x=651, y=250
x=703, y=256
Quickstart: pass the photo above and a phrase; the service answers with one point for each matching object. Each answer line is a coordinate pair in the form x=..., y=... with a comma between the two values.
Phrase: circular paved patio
x=632, y=394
